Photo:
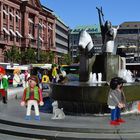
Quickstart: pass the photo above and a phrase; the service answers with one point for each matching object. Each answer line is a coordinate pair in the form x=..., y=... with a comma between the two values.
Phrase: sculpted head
x=85, y=41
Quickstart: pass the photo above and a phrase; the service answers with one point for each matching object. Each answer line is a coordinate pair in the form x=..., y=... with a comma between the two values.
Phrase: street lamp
x=38, y=41
x=138, y=43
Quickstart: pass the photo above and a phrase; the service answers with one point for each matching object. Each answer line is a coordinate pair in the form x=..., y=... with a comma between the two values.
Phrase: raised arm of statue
x=101, y=22
x=101, y=16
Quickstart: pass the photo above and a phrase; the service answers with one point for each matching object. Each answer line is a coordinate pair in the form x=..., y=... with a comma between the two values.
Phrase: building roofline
x=48, y=9
x=89, y=28
x=58, y=18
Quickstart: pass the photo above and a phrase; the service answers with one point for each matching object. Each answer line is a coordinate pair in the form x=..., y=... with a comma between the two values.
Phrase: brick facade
x=25, y=24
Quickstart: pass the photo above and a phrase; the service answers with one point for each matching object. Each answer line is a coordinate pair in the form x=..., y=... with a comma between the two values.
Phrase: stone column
x=111, y=66
x=84, y=69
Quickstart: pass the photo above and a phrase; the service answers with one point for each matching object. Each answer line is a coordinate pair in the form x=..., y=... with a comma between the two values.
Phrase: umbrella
x=121, y=46
x=132, y=46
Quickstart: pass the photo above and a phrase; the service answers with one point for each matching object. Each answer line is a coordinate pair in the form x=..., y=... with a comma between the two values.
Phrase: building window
x=5, y=35
x=40, y=27
x=17, y=39
x=10, y=18
x=11, y=14
x=17, y=16
x=11, y=37
x=31, y=29
x=5, y=32
x=31, y=26
x=5, y=11
x=4, y=16
x=16, y=19
x=12, y=34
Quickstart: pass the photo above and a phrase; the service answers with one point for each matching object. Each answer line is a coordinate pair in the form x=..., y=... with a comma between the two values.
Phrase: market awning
x=18, y=16
x=11, y=14
x=12, y=32
x=5, y=12
x=17, y=32
x=30, y=36
x=40, y=38
x=50, y=27
x=44, y=25
x=6, y=31
x=121, y=47
x=132, y=46
x=30, y=20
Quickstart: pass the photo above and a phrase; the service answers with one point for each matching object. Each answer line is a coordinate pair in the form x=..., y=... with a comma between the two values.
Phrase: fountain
x=126, y=75
x=89, y=94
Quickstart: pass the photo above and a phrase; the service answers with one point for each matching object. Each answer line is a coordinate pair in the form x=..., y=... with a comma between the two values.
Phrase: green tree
x=66, y=59
x=51, y=57
x=29, y=56
x=13, y=55
x=77, y=59
x=46, y=57
x=43, y=57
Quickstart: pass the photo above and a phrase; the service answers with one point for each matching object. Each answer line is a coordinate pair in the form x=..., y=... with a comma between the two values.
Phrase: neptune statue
x=108, y=33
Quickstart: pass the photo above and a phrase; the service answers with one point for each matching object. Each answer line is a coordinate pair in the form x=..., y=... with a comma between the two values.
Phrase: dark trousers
x=54, y=80
x=115, y=113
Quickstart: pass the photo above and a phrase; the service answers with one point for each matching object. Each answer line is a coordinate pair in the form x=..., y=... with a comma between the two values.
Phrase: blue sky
x=83, y=12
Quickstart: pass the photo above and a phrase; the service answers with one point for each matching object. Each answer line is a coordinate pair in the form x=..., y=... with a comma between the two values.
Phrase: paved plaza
x=15, y=127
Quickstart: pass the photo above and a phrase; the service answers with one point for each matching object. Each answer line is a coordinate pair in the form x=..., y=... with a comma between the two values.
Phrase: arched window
x=5, y=11
x=17, y=16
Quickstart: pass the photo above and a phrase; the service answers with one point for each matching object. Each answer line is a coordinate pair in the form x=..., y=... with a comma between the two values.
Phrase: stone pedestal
x=107, y=64
x=84, y=70
x=111, y=66
x=85, y=67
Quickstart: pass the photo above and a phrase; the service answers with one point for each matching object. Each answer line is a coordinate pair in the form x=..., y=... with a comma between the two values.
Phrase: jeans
x=115, y=113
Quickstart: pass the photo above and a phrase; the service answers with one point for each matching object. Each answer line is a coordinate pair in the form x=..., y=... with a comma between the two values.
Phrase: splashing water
x=126, y=75
x=93, y=78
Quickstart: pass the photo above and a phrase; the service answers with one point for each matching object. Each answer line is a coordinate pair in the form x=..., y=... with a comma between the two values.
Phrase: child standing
x=116, y=100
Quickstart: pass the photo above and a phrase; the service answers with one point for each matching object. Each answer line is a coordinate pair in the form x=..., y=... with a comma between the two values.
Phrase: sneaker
x=27, y=117
x=114, y=123
x=120, y=120
x=37, y=118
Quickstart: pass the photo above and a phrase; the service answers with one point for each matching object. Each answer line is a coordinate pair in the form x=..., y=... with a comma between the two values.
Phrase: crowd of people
x=55, y=75
x=45, y=76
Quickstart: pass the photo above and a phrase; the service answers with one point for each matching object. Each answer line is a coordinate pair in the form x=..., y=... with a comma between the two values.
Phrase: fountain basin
x=81, y=97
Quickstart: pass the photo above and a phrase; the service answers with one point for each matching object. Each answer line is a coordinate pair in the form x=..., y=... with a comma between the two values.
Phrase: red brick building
x=25, y=24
